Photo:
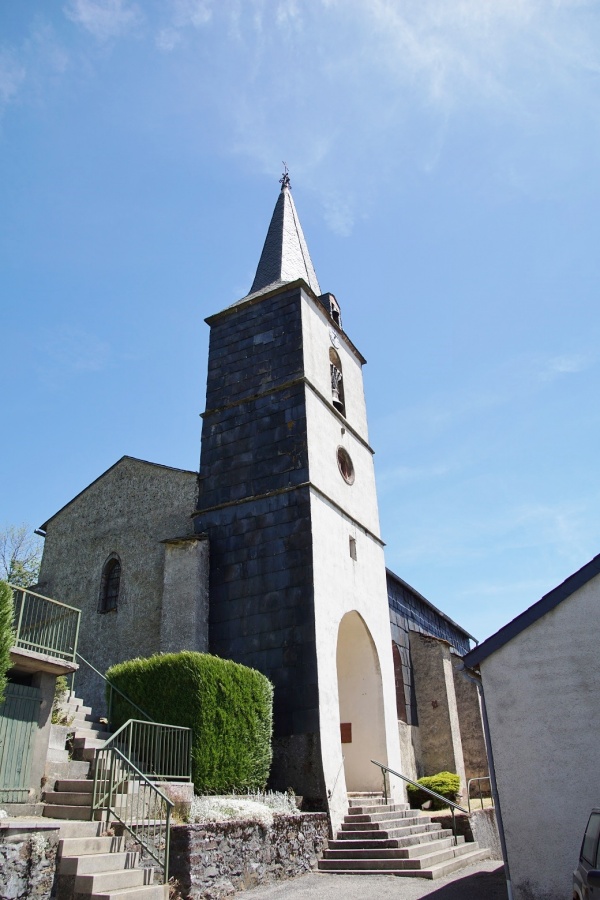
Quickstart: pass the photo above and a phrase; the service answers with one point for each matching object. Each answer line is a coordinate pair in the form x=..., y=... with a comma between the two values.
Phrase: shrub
x=6, y=633
x=61, y=689
x=445, y=783
x=229, y=708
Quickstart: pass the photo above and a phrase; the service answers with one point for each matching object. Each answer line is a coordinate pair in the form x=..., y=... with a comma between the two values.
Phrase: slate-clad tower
x=287, y=498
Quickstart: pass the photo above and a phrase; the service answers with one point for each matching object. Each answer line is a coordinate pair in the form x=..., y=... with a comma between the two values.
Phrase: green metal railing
x=160, y=752
x=125, y=769
x=122, y=792
x=111, y=690
x=45, y=625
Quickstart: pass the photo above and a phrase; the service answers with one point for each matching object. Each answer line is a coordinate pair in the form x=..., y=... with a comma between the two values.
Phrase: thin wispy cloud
x=104, y=19
x=511, y=382
x=385, y=81
x=12, y=75
x=564, y=365
x=182, y=15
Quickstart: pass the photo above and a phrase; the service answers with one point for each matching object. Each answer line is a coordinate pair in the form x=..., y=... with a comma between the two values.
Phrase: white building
x=541, y=683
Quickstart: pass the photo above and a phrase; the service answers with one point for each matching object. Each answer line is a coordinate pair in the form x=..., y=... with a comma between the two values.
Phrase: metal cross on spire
x=284, y=181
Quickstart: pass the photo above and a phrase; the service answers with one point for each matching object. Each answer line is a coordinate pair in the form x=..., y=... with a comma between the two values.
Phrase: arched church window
x=337, y=384
x=399, y=678
x=110, y=584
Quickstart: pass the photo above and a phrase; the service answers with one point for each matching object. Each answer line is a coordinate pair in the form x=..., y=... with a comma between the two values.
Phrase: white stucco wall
x=342, y=584
x=316, y=327
x=542, y=692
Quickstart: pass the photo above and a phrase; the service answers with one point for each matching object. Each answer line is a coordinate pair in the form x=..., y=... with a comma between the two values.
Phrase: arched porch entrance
x=360, y=694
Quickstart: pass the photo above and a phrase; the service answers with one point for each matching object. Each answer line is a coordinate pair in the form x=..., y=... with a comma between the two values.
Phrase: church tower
x=287, y=497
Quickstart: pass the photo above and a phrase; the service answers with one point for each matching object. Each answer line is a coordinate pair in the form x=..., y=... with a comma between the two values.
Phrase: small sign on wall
x=346, y=732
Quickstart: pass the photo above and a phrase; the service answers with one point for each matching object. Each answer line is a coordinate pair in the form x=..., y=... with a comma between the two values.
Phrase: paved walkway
x=482, y=881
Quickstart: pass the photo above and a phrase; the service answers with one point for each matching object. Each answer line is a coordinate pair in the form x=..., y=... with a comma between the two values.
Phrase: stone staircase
x=71, y=798
x=378, y=838
x=92, y=862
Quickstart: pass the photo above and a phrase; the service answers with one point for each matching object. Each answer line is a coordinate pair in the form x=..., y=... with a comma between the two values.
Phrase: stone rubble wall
x=27, y=863
x=214, y=860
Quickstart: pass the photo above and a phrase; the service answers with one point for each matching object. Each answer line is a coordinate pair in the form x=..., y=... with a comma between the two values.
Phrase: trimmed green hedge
x=445, y=783
x=6, y=633
x=229, y=708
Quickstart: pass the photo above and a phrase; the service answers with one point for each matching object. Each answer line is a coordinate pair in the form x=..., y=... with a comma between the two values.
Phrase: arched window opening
x=334, y=310
x=332, y=307
x=110, y=583
x=337, y=385
x=399, y=678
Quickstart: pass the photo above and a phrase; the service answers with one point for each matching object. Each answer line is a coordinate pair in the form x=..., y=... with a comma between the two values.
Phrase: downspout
x=468, y=673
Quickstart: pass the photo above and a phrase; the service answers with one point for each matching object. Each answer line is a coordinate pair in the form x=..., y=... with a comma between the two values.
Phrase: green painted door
x=18, y=724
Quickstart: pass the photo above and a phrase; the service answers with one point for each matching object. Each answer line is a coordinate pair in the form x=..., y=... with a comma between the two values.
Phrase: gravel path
x=482, y=881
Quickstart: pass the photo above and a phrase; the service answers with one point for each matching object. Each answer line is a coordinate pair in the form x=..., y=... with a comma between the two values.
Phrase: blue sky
x=445, y=165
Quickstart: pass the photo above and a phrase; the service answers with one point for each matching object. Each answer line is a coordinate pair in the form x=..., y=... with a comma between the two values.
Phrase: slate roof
x=547, y=603
x=285, y=256
x=426, y=602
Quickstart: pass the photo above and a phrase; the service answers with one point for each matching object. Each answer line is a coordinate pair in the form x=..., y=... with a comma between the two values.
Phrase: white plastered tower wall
x=343, y=586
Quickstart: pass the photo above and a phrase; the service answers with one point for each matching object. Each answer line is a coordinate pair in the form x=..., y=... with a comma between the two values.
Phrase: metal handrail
x=161, y=752
x=453, y=806
x=469, y=782
x=114, y=688
x=144, y=811
x=44, y=625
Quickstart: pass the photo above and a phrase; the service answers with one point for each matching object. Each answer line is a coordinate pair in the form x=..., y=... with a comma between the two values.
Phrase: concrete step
x=81, y=743
x=387, y=834
x=385, y=824
x=148, y=892
x=70, y=769
x=385, y=816
x=428, y=860
x=408, y=841
x=93, y=863
x=91, y=734
x=380, y=808
x=439, y=871
x=460, y=862
x=63, y=811
x=79, y=708
x=68, y=798
x=365, y=799
x=78, y=846
x=409, y=852
x=85, y=753
x=117, y=880
x=80, y=786
x=69, y=829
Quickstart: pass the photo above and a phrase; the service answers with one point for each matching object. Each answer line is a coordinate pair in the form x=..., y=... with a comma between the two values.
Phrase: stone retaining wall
x=480, y=825
x=27, y=861
x=216, y=859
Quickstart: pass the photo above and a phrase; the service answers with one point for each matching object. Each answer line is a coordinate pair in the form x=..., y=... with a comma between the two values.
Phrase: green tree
x=6, y=633
x=20, y=555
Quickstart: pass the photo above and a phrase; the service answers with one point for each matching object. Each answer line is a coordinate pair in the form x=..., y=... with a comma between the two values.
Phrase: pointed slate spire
x=285, y=256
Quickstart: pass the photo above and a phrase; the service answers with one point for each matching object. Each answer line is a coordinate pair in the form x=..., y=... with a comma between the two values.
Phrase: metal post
x=18, y=628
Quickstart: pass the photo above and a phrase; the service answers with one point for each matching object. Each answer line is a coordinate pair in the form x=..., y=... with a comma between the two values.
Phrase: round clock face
x=334, y=338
